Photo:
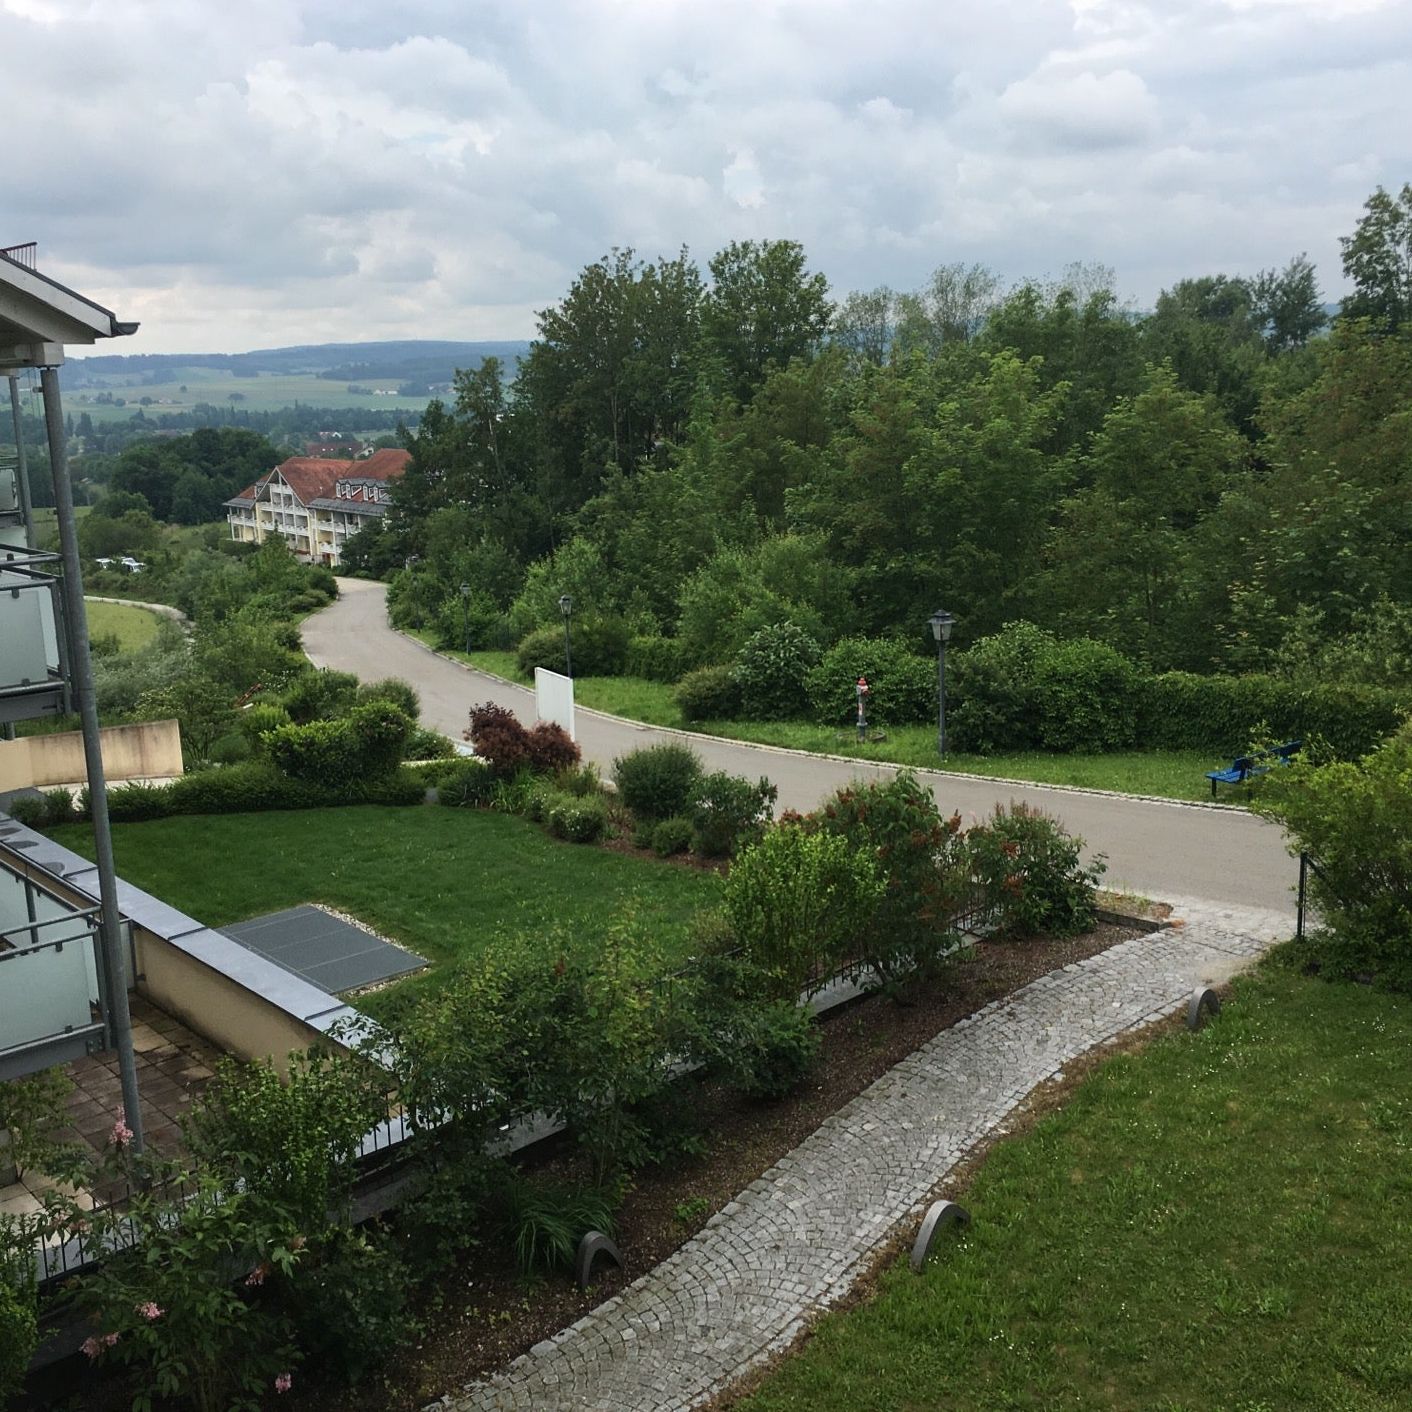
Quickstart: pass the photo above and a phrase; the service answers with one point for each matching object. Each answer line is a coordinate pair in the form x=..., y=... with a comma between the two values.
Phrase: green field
x=1221, y=1222
x=444, y=882
x=134, y=627
x=266, y=393
x=1172, y=774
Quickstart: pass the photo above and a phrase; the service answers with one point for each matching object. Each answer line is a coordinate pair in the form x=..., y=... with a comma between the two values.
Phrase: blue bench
x=1246, y=767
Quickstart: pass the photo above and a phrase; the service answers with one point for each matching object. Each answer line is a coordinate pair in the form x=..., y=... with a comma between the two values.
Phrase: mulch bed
x=489, y=1315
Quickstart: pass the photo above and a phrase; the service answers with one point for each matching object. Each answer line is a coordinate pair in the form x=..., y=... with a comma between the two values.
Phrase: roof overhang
x=38, y=316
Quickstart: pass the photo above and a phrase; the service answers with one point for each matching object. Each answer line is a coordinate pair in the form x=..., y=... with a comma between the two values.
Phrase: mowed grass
x=446, y=883
x=134, y=627
x=1221, y=1222
x=1164, y=774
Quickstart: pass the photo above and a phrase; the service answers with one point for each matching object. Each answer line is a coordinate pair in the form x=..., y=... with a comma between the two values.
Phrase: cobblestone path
x=795, y=1240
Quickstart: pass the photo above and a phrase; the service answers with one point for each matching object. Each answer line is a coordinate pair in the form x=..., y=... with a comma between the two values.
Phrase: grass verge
x=1173, y=774
x=134, y=627
x=447, y=883
x=1220, y=1221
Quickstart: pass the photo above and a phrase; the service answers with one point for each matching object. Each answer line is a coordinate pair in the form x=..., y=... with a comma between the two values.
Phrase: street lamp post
x=566, y=607
x=941, y=624
x=466, y=615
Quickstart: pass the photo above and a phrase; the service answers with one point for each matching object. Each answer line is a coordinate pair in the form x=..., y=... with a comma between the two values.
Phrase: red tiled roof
x=314, y=478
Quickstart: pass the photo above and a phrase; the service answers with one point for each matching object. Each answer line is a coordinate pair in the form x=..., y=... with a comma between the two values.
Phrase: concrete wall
x=233, y=1016
x=147, y=750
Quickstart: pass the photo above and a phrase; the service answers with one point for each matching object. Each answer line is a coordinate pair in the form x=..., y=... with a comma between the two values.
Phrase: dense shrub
x=655, y=658
x=1355, y=820
x=672, y=836
x=771, y=671
x=993, y=705
x=1032, y=873
x=401, y=693
x=551, y=749
x=348, y=1304
x=577, y=820
x=798, y=903
x=902, y=686
x=19, y=1336
x=257, y=786
x=260, y=717
x=897, y=826
x=319, y=695
x=1087, y=697
x=730, y=813
x=59, y=806
x=708, y=694
x=1180, y=711
x=367, y=743
x=426, y=744
x=136, y=801
x=770, y=1048
x=659, y=781
x=31, y=810
x=499, y=738
x=600, y=648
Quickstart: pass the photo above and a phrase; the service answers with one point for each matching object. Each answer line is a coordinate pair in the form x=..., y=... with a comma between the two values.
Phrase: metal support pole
x=1303, y=894
x=941, y=697
x=568, y=652
x=22, y=464
x=118, y=1016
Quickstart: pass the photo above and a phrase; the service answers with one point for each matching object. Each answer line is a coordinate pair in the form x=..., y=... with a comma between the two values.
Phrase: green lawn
x=266, y=393
x=135, y=627
x=1171, y=774
x=444, y=882
x=1221, y=1222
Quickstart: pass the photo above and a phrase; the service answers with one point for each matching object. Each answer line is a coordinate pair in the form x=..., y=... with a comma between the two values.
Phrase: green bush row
x=1024, y=689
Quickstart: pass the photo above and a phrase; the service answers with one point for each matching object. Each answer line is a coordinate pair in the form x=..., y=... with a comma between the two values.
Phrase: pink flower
x=282, y=1382
x=109, y=1340
x=257, y=1275
x=91, y=1347
x=121, y=1134
x=150, y=1310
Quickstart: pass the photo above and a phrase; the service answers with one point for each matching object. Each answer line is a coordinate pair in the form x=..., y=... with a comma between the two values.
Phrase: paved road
x=1155, y=848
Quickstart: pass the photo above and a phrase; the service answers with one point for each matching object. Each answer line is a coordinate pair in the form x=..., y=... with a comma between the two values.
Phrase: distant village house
x=316, y=504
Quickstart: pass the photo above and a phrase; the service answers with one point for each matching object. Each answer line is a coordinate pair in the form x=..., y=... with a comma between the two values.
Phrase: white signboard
x=554, y=699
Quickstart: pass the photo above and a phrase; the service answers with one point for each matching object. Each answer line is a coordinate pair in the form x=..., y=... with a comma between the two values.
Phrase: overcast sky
x=254, y=173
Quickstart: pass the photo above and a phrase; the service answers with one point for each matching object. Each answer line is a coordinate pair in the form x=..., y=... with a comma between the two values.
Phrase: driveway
x=1159, y=849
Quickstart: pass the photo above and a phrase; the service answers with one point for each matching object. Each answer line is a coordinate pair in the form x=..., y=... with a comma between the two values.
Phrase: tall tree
x=1377, y=257
x=764, y=309
x=1288, y=304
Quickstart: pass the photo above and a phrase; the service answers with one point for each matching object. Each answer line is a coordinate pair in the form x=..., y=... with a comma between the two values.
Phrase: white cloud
x=293, y=170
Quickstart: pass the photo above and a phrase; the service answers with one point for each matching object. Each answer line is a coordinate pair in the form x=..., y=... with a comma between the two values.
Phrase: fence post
x=1303, y=887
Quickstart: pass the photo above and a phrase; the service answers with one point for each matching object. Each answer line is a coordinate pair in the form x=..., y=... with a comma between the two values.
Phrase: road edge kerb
x=838, y=759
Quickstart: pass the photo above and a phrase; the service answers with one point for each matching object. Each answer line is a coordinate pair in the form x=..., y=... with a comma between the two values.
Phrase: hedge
x=1181, y=711
x=255, y=787
x=655, y=658
x=600, y=648
x=901, y=685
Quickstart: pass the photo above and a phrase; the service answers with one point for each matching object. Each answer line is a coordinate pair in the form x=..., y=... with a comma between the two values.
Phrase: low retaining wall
x=147, y=750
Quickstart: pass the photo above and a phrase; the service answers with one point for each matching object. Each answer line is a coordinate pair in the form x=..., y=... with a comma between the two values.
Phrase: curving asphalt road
x=1159, y=849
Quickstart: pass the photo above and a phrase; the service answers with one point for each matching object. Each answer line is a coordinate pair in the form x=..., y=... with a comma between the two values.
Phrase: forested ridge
x=1219, y=485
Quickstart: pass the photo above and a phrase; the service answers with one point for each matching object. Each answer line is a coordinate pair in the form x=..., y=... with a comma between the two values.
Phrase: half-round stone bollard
x=1204, y=1001
x=594, y=1244
x=939, y=1214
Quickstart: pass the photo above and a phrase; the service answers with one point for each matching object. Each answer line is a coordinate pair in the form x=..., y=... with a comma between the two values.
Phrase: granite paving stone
x=795, y=1241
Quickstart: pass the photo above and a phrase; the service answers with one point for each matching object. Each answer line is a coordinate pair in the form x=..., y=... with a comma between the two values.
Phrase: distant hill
x=422, y=361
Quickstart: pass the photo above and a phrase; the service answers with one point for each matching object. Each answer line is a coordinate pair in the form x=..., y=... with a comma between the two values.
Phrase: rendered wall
x=147, y=750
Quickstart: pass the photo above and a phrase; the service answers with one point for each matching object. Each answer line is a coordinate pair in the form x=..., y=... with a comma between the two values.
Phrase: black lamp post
x=566, y=607
x=941, y=624
x=466, y=615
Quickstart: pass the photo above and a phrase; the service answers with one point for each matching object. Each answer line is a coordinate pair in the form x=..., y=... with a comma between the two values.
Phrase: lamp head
x=566, y=605
x=941, y=624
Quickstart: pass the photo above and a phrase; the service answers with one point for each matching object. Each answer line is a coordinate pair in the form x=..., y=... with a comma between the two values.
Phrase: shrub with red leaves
x=551, y=749
x=500, y=740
